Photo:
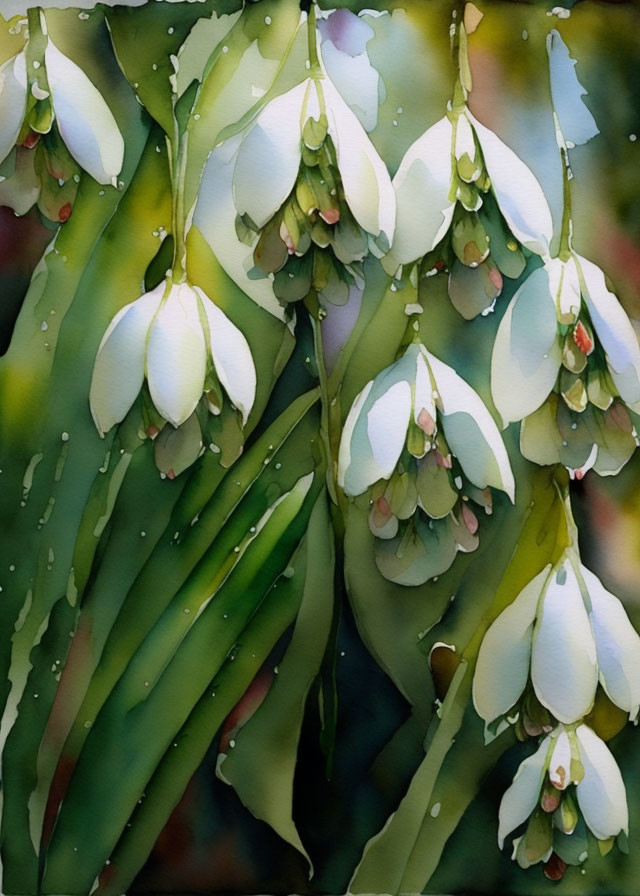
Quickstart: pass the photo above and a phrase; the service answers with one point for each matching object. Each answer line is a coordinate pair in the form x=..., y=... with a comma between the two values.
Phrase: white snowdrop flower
x=459, y=159
x=599, y=788
x=530, y=351
x=161, y=337
x=269, y=157
x=405, y=404
x=566, y=633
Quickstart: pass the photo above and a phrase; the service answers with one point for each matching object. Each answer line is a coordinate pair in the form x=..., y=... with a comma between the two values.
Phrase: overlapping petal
x=519, y=194
x=365, y=179
x=176, y=355
x=527, y=352
x=564, y=669
x=521, y=798
x=502, y=669
x=231, y=356
x=615, y=332
x=471, y=431
x=119, y=369
x=84, y=120
x=422, y=185
x=601, y=793
x=268, y=159
x=617, y=646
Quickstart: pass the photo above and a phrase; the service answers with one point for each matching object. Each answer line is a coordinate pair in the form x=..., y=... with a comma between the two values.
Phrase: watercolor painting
x=319, y=408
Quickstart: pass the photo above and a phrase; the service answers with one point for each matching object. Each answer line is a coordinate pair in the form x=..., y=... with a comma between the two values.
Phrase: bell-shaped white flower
x=269, y=157
x=529, y=350
x=171, y=336
x=569, y=756
x=566, y=632
x=85, y=122
x=426, y=192
x=83, y=118
x=415, y=391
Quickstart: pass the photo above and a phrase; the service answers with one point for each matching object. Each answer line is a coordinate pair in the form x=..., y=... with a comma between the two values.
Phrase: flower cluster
x=540, y=665
x=466, y=203
x=309, y=185
x=424, y=439
x=566, y=361
x=177, y=339
x=60, y=124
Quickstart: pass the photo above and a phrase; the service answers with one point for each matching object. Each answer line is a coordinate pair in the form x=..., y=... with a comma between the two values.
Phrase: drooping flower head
x=184, y=346
x=566, y=361
x=572, y=782
x=562, y=636
x=467, y=204
x=309, y=186
x=60, y=123
x=417, y=433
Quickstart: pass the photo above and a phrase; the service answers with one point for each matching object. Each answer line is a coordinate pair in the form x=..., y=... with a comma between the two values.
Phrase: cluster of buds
x=571, y=783
x=541, y=666
x=59, y=123
x=467, y=204
x=422, y=437
x=309, y=185
x=186, y=349
x=566, y=361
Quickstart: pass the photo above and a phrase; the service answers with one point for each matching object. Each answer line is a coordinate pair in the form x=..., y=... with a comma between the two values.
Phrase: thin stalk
x=178, y=163
x=312, y=38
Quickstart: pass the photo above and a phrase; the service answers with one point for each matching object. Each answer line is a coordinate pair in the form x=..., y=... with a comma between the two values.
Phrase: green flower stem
x=312, y=38
x=178, y=144
x=566, y=232
x=460, y=56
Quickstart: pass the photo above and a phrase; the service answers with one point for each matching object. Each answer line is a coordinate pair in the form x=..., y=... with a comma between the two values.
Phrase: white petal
x=526, y=353
x=617, y=646
x=601, y=794
x=614, y=330
x=422, y=184
x=268, y=161
x=471, y=431
x=352, y=480
x=387, y=426
x=563, y=660
x=118, y=372
x=502, y=669
x=176, y=356
x=358, y=460
x=560, y=762
x=84, y=120
x=215, y=217
x=564, y=286
x=232, y=357
x=522, y=797
x=13, y=101
x=520, y=196
x=365, y=179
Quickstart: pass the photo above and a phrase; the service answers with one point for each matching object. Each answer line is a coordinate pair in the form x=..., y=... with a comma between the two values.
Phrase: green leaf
x=261, y=766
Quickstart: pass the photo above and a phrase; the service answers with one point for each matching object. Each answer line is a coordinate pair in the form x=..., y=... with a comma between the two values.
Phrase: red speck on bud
x=582, y=338
x=445, y=462
x=532, y=728
x=152, y=431
x=383, y=506
x=31, y=140
x=285, y=236
x=550, y=801
x=555, y=868
x=496, y=279
x=330, y=215
x=65, y=212
x=171, y=474
x=579, y=474
x=426, y=422
x=470, y=519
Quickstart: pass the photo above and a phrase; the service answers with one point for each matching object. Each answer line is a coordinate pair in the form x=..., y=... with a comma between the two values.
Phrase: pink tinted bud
x=582, y=338
x=330, y=215
x=470, y=519
x=426, y=422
